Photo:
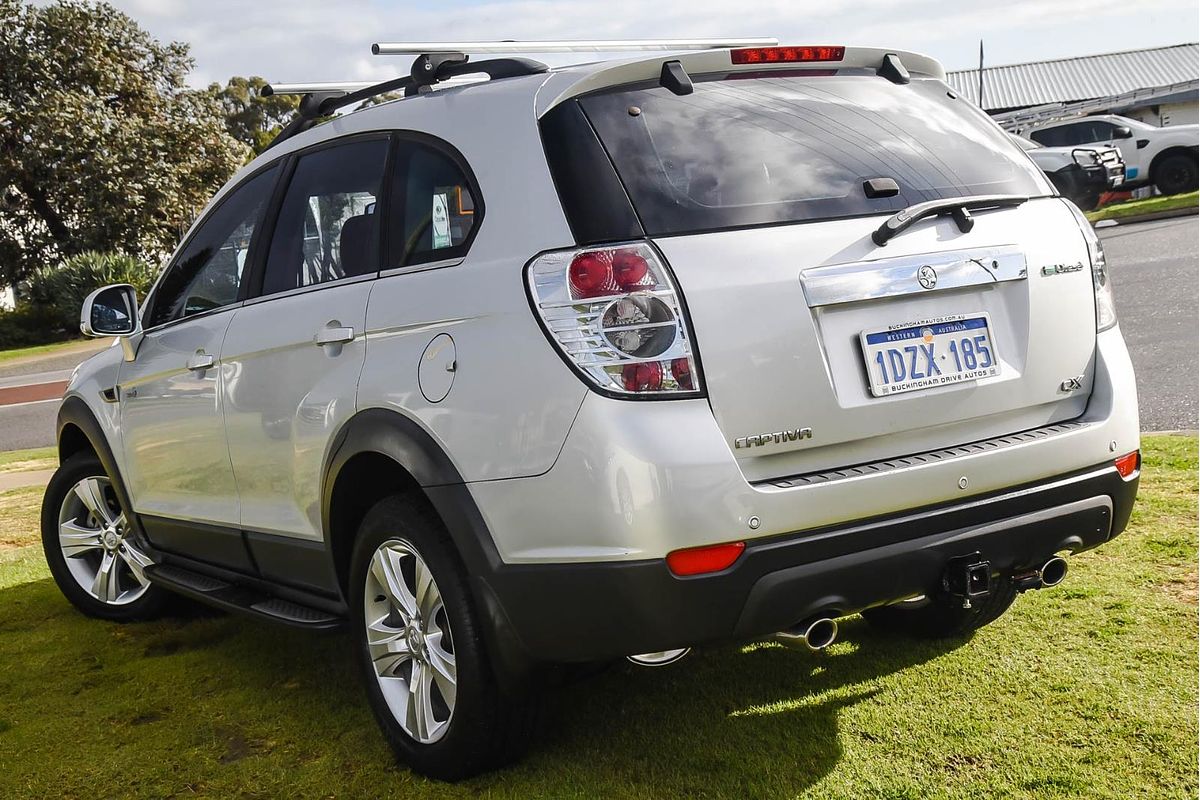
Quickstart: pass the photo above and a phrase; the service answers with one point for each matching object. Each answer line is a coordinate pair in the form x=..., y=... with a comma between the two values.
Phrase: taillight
x=1106, y=304
x=616, y=315
x=784, y=55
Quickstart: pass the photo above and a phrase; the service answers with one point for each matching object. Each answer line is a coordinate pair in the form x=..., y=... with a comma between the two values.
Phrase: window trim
x=257, y=278
x=390, y=265
x=251, y=254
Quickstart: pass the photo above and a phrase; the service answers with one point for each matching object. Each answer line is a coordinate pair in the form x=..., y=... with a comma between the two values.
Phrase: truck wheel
x=421, y=648
x=930, y=619
x=1176, y=174
x=96, y=563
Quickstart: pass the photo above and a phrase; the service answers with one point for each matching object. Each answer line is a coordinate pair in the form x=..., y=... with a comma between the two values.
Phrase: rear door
x=294, y=352
x=762, y=193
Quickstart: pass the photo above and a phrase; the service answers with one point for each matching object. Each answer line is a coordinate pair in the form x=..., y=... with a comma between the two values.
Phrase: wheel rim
x=408, y=637
x=93, y=535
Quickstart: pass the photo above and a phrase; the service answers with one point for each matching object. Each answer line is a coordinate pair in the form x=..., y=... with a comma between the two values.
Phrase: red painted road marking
x=32, y=393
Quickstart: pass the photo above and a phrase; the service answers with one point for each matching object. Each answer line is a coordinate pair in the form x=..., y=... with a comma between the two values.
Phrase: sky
x=330, y=40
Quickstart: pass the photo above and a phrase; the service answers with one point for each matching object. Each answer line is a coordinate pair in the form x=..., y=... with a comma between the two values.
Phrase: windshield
x=751, y=149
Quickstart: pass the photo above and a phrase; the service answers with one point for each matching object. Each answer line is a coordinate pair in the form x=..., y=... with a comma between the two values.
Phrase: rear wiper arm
x=957, y=207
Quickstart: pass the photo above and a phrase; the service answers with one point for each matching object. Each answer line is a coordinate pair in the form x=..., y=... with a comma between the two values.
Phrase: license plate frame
x=898, y=358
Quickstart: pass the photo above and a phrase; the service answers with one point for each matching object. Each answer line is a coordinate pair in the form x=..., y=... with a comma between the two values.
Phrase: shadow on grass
x=728, y=720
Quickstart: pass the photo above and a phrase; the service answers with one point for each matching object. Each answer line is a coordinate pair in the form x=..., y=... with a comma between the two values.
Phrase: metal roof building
x=1082, y=78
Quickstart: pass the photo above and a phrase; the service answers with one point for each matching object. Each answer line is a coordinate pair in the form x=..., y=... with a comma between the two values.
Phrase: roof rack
x=566, y=46
x=439, y=62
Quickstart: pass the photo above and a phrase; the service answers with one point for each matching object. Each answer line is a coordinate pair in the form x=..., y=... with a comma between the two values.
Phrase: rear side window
x=209, y=270
x=752, y=149
x=435, y=206
x=327, y=227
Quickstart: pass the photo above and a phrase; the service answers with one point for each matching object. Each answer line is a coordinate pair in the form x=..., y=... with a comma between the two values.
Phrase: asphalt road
x=1154, y=268
x=1154, y=271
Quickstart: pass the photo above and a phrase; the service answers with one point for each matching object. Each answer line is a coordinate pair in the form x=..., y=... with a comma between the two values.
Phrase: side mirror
x=1122, y=132
x=111, y=311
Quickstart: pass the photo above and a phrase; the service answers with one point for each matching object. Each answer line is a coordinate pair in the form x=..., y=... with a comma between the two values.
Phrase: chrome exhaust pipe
x=659, y=659
x=816, y=634
x=1053, y=572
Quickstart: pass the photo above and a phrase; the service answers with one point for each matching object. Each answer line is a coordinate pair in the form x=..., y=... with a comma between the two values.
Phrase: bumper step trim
x=930, y=457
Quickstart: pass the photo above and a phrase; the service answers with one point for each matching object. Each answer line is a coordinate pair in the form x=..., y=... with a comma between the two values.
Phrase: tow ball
x=967, y=578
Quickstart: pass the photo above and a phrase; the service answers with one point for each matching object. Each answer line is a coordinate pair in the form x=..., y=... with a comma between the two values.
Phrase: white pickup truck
x=1164, y=157
x=1081, y=174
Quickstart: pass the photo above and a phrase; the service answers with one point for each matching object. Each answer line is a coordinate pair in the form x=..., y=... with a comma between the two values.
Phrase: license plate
x=922, y=355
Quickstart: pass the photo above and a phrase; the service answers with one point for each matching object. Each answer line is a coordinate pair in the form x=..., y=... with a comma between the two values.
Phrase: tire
x=942, y=620
x=96, y=564
x=470, y=729
x=1176, y=174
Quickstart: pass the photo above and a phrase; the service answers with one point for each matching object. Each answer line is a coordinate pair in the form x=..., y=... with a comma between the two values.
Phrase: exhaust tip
x=815, y=634
x=660, y=658
x=820, y=633
x=1054, y=571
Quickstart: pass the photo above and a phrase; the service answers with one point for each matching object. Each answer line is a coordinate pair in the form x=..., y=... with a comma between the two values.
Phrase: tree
x=102, y=144
x=251, y=118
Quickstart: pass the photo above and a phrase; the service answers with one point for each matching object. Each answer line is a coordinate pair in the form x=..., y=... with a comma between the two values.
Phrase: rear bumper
x=598, y=610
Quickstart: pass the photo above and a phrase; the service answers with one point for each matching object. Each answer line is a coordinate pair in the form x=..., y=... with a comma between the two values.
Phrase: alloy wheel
x=93, y=534
x=408, y=637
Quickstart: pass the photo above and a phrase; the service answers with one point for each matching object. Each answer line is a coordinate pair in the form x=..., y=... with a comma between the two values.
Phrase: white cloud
x=302, y=40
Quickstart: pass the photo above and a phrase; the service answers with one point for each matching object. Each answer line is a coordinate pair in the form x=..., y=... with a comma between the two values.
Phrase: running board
x=233, y=597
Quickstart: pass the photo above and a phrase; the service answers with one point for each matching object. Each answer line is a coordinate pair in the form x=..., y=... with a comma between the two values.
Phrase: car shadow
x=759, y=717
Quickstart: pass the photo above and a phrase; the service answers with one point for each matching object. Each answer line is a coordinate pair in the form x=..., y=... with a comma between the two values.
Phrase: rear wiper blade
x=957, y=207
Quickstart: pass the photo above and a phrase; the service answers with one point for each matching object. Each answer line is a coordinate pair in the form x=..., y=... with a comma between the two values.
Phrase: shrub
x=59, y=291
x=28, y=326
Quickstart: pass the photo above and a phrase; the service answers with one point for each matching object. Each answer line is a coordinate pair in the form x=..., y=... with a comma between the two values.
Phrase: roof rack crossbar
x=565, y=46
x=322, y=99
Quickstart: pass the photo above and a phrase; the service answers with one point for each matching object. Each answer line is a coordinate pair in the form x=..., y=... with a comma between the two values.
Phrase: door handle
x=333, y=336
x=201, y=362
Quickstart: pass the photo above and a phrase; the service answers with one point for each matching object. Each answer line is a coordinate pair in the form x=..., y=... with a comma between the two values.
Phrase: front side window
x=328, y=228
x=208, y=272
x=434, y=207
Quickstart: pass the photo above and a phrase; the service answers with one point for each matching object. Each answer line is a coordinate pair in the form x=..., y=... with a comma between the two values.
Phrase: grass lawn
x=1147, y=206
x=48, y=349
x=1086, y=690
x=24, y=460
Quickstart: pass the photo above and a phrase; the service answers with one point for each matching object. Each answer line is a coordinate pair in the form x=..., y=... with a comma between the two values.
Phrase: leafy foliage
x=102, y=144
x=251, y=118
x=61, y=290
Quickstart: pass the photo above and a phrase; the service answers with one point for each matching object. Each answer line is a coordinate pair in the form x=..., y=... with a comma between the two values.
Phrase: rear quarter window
x=752, y=149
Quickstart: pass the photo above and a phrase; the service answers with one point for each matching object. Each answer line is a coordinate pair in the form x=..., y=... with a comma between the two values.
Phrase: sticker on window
x=441, y=221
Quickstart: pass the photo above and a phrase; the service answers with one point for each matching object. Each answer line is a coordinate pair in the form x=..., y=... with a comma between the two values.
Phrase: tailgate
x=779, y=315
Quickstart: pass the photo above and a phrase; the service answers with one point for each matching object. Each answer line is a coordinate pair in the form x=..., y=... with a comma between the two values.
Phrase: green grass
x=45, y=349
x=1148, y=206
x=1086, y=690
x=24, y=460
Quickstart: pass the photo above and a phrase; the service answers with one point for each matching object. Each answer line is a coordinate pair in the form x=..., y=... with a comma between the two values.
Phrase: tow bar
x=967, y=578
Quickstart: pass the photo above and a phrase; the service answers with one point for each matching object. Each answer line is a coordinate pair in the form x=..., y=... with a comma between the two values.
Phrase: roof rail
x=565, y=46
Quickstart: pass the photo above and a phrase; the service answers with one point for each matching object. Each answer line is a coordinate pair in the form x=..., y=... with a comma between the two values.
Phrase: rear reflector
x=1127, y=465
x=782, y=55
x=699, y=560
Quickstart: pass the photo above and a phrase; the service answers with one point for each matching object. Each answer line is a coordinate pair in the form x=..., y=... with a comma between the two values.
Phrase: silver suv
x=600, y=361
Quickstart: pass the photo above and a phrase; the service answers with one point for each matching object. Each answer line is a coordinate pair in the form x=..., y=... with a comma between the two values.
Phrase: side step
x=234, y=597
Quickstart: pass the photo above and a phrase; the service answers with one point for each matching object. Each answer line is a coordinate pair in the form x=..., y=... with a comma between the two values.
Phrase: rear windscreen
x=752, y=149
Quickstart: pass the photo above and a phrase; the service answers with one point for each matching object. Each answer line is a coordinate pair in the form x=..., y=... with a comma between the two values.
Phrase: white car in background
x=1081, y=174
x=1164, y=157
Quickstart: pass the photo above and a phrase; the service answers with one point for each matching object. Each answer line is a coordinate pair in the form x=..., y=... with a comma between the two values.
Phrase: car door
x=295, y=350
x=176, y=461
